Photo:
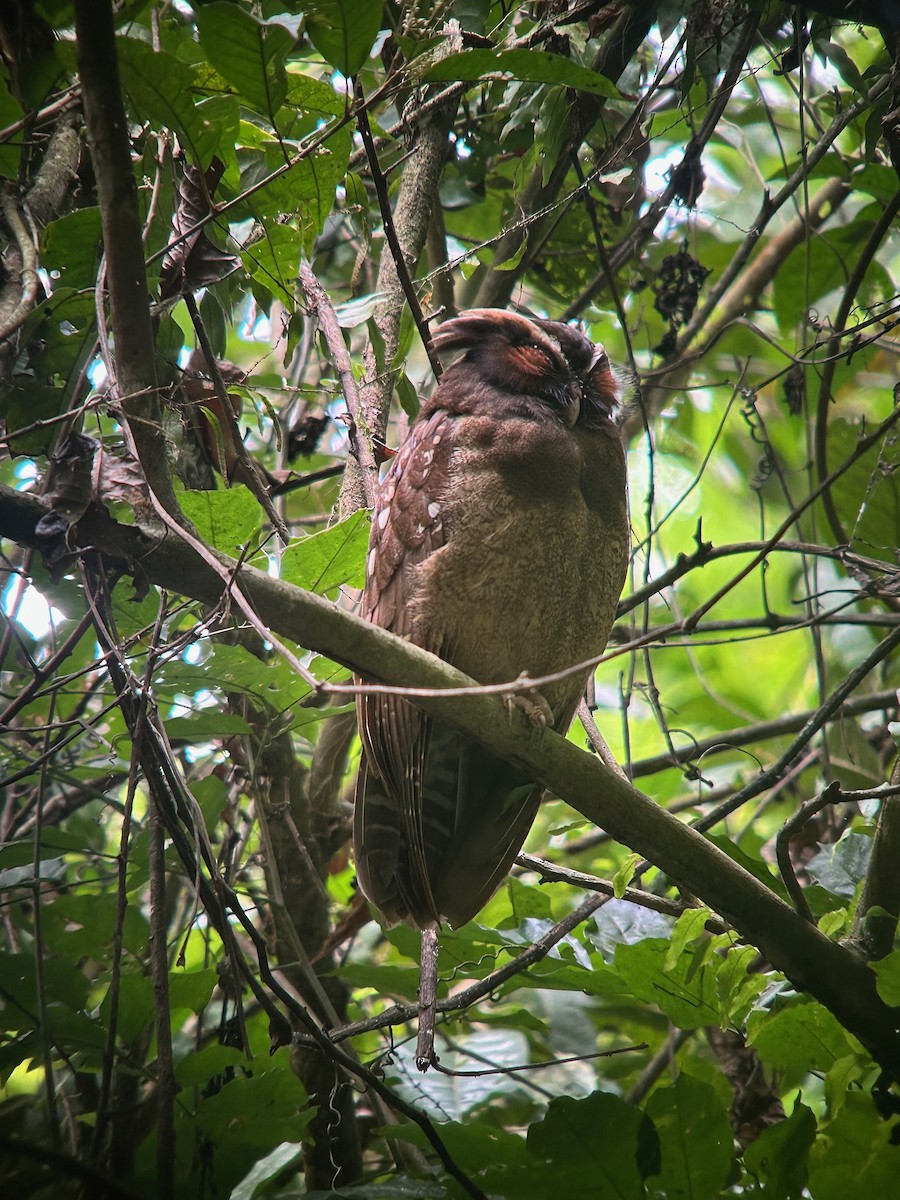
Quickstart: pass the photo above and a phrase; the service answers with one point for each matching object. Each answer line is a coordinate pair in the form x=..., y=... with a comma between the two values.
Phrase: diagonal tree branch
x=831, y=973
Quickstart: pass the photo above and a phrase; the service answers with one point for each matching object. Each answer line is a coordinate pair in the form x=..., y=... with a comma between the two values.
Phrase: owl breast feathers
x=499, y=542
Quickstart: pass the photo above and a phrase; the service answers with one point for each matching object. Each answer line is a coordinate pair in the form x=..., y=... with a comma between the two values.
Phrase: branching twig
x=831, y=795
x=27, y=270
x=760, y=731
x=323, y=310
x=236, y=451
x=817, y=721
x=552, y=873
x=823, y=402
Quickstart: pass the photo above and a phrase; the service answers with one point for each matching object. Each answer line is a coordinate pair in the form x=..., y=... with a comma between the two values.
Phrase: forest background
x=225, y=227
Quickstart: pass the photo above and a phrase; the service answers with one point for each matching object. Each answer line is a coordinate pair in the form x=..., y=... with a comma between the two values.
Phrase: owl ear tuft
x=470, y=329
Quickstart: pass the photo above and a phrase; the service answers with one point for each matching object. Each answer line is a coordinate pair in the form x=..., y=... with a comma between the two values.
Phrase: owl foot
x=532, y=704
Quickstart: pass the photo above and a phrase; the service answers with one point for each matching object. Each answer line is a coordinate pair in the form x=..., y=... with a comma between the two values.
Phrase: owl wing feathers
x=407, y=528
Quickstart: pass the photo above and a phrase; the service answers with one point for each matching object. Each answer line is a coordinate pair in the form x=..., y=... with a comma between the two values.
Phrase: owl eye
x=537, y=348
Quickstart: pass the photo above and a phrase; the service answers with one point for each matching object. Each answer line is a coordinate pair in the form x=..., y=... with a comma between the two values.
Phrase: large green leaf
x=684, y=991
x=325, y=561
x=248, y=53
x=597, y=1146
x=857, y=1158
x=343, y=31
x=779, y=1158
x=695, y=1140
x=161, y=89
x=226, y=520
x=799, y=1038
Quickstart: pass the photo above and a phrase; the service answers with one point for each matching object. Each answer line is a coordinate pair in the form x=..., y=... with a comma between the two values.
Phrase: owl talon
x=533, y=705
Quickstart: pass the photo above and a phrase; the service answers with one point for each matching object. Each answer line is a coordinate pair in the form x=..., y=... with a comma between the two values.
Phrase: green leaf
x=855, y=1158
x=528, y=900
x=529, y=66
x=688, y=928
x=343, y=31
x=739, y=983
x=191, y=989
x=695, y=1140
x=624, y=875
x=61, y=332
x=10, y=151
x=235, y=669
x=686, y=995
x=840, y=867
x=867, y=495
x=387, y=980
x=259, y=1110
x=327, y=560
x=398, y=1187
x=267, y=1170
x=779, y=1157
x=755, y=866
x=314, y=96
x=621, y=922
x=206, y=723
x=802, y=1037
x=497, y=1159
x=307, y=192
x=54, y=843
x=134, y=1007
x=815, y=268
x=408, y=395
x=199, y=1066
x=887, y=978
x=71, y=246
x=593, y=1146
x=248, y=53
x=63, y=983
x=225, y=520
x=161, y=91
x=275, y=260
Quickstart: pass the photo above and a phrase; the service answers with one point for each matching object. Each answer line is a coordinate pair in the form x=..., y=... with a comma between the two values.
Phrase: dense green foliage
x=712, y=188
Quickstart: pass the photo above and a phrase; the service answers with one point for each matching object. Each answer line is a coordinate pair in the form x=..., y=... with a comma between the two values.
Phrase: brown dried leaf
x=195, y=262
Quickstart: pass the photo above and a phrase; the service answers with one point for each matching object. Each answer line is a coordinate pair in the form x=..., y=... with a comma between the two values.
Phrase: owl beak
x=597, y=357
x=572, y=410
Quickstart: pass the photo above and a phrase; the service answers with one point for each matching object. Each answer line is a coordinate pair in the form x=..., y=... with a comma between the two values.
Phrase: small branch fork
x=831, y=795
x=321, y=307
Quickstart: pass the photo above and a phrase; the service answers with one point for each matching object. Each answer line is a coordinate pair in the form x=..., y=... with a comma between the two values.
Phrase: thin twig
x=760, y=731
x=250, y=473
x=231, y=580
x=322, y=308
x=831, y=795
x=537, y=1066
x=863, y=260
x=390, y=233
x=401, y=1014
x=552, y=873
x=819, y=718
